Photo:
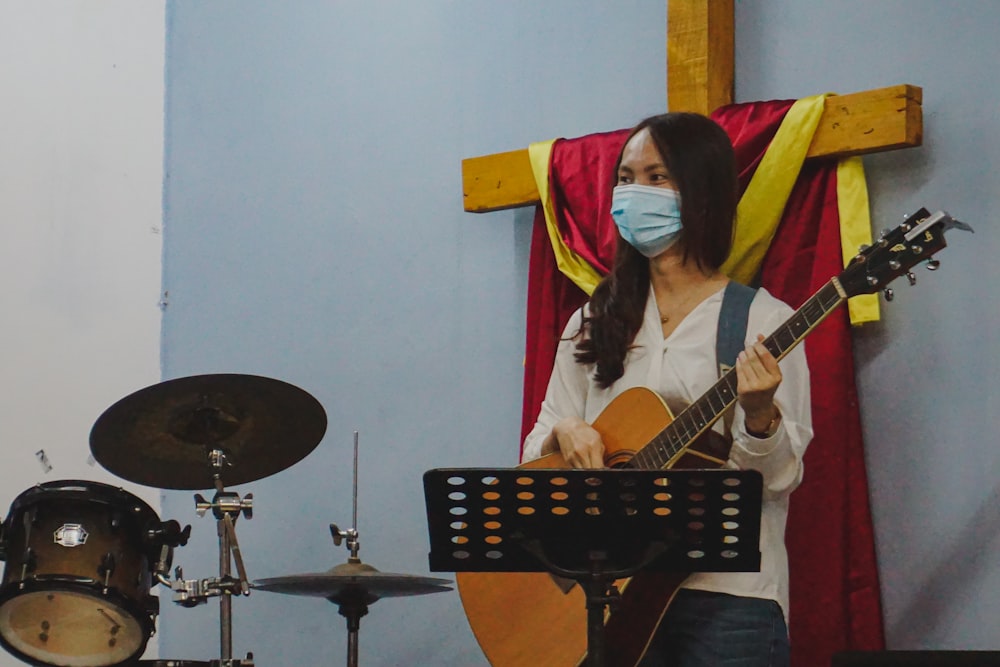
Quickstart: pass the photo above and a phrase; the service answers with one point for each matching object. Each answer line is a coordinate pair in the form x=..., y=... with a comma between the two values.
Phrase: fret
x=701, y=413
x=813, y=311
x=716, y=402
x=663, y=454
x=640, y=459
x=774, y=347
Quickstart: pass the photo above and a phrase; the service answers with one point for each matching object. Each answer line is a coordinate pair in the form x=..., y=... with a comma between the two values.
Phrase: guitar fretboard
x=700, y=415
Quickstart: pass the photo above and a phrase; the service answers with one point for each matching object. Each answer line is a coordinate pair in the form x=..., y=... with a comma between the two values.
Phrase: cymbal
x=349, y=580
x=162, y=435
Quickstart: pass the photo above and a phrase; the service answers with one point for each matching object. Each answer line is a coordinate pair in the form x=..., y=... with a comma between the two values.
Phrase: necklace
x=679, y=308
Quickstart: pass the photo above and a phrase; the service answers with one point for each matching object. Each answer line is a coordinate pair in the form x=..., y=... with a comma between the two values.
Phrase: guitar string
x=688, y=425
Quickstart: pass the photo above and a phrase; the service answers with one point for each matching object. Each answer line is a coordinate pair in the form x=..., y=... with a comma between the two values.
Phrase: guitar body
x=525, y=619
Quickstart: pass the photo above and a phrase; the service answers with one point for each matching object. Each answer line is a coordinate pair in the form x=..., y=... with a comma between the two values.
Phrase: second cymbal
x=353, y=579
x=162, y=436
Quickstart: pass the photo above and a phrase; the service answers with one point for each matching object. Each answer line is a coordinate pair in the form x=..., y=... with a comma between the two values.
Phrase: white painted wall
x=81, y=173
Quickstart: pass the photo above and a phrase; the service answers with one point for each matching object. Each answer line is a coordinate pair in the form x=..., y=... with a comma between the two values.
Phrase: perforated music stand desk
x=593, y=526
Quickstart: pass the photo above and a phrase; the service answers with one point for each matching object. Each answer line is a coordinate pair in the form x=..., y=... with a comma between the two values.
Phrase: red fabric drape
x=580, y=180
x=834, y=582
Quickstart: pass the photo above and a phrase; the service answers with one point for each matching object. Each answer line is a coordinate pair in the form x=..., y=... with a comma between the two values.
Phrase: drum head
x=69, y=628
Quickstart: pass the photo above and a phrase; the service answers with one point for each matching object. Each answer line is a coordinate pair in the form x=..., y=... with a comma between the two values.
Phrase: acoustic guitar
x=530, y=619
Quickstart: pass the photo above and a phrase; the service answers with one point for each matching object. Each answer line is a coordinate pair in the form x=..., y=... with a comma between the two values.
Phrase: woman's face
x=642, y=164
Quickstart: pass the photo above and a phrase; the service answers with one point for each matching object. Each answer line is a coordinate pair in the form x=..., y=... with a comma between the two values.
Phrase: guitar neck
x=701, y=414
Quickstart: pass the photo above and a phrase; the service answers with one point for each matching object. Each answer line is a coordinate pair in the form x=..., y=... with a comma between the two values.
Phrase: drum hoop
x=84, y=490
x=83, y=586
x=33, y=586
x=14, y=589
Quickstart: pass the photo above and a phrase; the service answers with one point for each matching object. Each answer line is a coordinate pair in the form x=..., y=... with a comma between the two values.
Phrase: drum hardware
x=247, y=662
x=353, y=585
x=226, y=507
x=196, y=433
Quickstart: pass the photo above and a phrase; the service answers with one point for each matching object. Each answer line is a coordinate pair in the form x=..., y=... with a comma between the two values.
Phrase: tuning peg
x=863, y=247
x=911, y=277
x=889, y=294
x=872, y=280
x=933, y=264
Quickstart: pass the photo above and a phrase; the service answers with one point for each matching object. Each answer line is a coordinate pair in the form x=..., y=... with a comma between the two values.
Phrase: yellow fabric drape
x=762, y=204
x=855, y=230
x=759, y=210
x=570, y=264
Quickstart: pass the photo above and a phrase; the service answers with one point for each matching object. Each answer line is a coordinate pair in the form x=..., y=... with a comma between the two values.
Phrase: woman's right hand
x=579, y=443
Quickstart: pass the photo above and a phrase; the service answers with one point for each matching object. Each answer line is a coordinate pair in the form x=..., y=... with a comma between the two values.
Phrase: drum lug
x=107, y=567
x=29, y=565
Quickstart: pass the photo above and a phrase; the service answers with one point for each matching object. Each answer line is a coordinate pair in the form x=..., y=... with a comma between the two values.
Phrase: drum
x=79, y=563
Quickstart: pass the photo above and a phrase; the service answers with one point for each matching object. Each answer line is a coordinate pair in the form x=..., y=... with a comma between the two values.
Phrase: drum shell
x=115, y=521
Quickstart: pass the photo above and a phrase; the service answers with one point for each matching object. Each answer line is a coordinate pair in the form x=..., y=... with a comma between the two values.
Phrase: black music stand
x=593, y=526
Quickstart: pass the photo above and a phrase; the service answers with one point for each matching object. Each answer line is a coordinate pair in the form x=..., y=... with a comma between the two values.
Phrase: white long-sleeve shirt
x=681, y=368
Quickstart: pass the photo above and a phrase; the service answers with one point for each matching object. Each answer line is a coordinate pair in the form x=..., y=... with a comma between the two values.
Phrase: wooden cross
x=700, y=64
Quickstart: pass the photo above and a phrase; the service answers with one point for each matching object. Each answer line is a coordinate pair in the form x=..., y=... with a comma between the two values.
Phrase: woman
x=652, y=322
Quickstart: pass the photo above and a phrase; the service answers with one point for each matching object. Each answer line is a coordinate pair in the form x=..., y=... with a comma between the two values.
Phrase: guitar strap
x=732, y=331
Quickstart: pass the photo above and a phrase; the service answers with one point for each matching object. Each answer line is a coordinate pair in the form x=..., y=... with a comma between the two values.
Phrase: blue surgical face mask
x=649, y=218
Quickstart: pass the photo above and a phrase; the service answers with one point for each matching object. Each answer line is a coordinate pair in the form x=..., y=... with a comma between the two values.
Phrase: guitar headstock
x=897, y=251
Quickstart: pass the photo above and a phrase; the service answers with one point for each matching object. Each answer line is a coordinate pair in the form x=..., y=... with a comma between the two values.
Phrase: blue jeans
x=702, y=629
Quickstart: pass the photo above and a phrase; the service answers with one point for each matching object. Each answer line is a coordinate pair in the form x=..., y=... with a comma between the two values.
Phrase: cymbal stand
x=352, y=603
x=226, y=506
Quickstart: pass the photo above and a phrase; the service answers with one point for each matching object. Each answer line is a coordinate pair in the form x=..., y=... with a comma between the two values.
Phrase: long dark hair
x=699, y=156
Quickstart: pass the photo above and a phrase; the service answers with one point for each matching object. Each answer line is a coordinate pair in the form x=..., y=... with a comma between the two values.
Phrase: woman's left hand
x=757, y=378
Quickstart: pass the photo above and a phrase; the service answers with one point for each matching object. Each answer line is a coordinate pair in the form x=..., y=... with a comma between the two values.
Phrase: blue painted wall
x=928, y=374
x=314, y=233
